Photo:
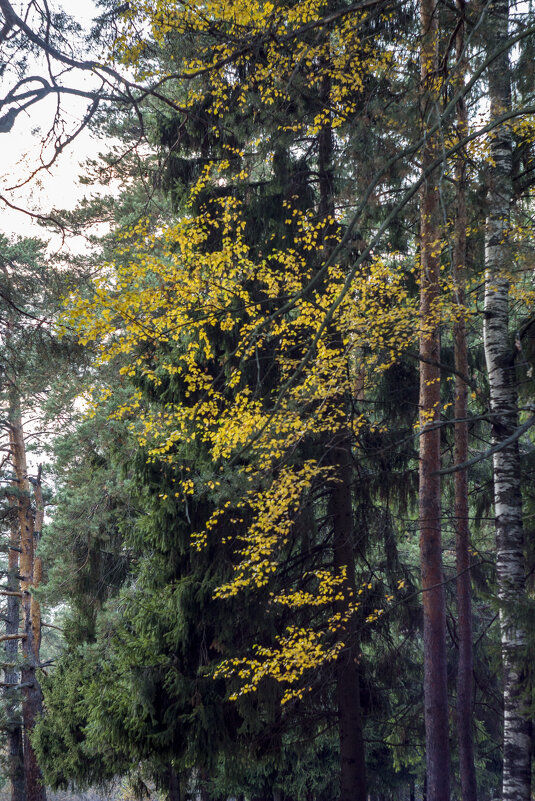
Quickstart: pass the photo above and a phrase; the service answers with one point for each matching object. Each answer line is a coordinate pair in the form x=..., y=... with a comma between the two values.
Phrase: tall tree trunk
x=11, y=674
x=434, y=610
x=350, y=728
x=32, y=697
x=462, y=530
x=499, y=355
x=37, y=572
x=352, y=750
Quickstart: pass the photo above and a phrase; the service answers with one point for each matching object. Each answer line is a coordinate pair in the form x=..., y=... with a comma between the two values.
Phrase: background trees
x=32, y=359
x=297, y=246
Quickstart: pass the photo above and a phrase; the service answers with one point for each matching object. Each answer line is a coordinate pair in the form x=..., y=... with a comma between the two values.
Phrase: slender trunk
x=434, y=610
x=352, y=750
x=32, y=697
x=37, y=574
x=11, y=674
x=462, y=530
x=350, y=728
x=499, y=355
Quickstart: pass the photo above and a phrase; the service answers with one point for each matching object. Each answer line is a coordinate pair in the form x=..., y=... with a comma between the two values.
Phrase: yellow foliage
x=172, y=307
x=166, y=288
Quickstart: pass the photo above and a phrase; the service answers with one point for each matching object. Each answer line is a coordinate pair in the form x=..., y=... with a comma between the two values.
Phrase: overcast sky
x=21, y=150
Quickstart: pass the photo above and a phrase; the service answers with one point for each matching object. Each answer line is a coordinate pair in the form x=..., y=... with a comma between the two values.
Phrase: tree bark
x=37, y=572
x=434, y=611
x=32, y=696
x=499, y=356
x=462, y=531
x=352, y=749
x=350, y=727
x=11, y=675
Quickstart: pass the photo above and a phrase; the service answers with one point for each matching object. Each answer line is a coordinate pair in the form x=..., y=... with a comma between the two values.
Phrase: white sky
x=57, y=187
x=21, y=149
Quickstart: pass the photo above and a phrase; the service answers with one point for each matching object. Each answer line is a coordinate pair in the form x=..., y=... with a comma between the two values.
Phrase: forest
x=267, y=429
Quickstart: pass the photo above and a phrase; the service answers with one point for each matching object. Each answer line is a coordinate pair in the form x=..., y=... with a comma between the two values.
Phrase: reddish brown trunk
x=350, y=729
x=32, y=706
x=12, y=676
x=462, y=530
x=37, y=573
x=14, y=721
x=464, y=601
x=434, y=612
x=352, y=750
x=32, y=698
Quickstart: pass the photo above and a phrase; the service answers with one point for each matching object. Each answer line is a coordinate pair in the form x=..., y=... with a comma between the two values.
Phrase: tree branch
x=495, y=449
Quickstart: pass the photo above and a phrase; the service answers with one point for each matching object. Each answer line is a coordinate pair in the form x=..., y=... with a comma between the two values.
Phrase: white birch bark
x=499, y=355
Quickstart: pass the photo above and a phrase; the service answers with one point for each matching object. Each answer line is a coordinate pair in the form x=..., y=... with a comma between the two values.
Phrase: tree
x=462, y=512
x=248, y=344
x=328, y=424
x=435, y=679
x=500, y=355
x=31, y=360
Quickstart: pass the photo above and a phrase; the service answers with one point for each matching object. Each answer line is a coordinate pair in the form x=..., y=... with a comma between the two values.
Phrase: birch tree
x=500, y=353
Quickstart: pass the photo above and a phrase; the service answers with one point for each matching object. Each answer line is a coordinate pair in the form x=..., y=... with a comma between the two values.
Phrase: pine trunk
x=462, y=530
x=32, y=697
x=37, y=573
x=350, y=727
x=499, y=355
x=434, y=610
x=11, y=674
x=352, y=750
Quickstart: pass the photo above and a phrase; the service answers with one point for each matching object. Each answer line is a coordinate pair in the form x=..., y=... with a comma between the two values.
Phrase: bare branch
x=16, y=684
x=51, y=626
x=495, y=449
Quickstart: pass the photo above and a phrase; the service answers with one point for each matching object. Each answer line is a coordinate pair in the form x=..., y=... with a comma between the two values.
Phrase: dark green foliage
x=60, y=737
x=144, y=634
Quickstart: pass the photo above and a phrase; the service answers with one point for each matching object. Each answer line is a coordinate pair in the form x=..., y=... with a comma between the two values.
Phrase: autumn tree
x=247, y=343
x=313, y=228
